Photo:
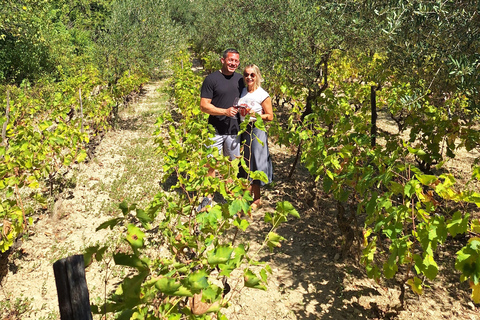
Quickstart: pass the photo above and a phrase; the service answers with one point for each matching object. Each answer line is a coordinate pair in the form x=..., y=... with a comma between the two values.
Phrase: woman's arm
x=267, y=110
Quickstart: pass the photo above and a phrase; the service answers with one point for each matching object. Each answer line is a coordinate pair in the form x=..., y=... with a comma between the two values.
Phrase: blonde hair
x=258, y=75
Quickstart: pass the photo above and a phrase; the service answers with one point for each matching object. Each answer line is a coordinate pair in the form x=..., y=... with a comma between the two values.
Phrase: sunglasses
x=249, y=74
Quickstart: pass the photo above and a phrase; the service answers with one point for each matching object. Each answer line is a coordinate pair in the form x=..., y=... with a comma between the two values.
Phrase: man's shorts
x=228, y=144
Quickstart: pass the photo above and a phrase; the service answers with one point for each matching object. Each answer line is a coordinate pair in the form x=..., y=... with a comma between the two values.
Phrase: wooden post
x=72, y=291
x=7, y=115
x=373, y=101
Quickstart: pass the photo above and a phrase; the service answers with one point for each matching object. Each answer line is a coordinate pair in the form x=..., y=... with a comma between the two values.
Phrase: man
x=218, y=93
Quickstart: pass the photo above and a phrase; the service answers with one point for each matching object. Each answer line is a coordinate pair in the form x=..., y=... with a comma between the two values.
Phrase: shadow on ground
x=331, y=286
x=310, y=253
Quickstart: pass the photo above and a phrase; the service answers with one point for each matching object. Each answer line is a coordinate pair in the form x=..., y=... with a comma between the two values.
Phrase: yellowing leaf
x=81, y=156
x=366, y=234
x=475, y=225
x=416, y=285
x=427, y=179
x=475, y=292
x=473, y=239
x=135, y=236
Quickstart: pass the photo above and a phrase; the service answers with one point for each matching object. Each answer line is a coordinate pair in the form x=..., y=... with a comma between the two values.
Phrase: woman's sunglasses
x=249, y=74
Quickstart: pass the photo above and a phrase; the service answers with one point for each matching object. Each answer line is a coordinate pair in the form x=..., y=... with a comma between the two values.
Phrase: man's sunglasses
x=249, y=74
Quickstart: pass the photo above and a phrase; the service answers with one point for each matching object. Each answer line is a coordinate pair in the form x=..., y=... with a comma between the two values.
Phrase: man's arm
x=207, y=107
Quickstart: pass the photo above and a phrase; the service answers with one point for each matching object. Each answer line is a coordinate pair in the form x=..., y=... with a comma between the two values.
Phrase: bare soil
x=311, y=279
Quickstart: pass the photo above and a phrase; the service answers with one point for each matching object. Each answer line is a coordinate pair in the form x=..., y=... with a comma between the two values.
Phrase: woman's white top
x=253, y=100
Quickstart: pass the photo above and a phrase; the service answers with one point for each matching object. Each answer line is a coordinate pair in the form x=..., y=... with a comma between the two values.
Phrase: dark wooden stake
x=72, y=291
x=5, y=124
x=294, y=165
x=373, y=101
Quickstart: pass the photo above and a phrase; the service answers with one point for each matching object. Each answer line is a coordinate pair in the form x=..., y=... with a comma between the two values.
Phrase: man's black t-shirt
x=223, y=90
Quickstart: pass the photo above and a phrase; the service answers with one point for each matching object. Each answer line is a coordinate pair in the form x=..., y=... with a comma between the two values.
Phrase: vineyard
x=374, y=209
x=310, y=278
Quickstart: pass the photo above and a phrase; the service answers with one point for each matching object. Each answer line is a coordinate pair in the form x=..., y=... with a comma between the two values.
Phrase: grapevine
x=46, y=134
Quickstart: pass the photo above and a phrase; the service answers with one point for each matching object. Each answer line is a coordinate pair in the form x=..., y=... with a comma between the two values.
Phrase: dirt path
x=310, y=281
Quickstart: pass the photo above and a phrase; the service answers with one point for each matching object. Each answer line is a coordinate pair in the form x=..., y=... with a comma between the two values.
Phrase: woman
x=255, y=100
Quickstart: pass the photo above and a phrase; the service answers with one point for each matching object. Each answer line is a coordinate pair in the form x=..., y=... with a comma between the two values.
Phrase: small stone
x=337, y=256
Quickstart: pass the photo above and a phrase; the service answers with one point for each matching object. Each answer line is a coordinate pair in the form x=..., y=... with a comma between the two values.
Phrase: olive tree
x=433, y=47
x=138, y=36
x=47, y=38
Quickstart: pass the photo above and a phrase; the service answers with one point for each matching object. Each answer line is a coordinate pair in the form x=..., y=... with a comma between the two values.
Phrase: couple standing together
x=220, y=90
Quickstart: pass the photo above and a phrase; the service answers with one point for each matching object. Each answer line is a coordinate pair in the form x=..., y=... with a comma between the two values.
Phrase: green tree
x=47, y=38
x=433, y=47
x=138, y=36
x=24, y=52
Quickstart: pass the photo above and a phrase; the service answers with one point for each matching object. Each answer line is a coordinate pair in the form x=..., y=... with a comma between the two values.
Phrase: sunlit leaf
x=475, y=292
x=220, y=254
x=273, y=240
x=427, y=179
x=458, y=224
x=286, y=207
x=416, y=285
x=172, y=287
x=82, y=155
x=252, y=281
x=135, y=236
x=198, y=280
